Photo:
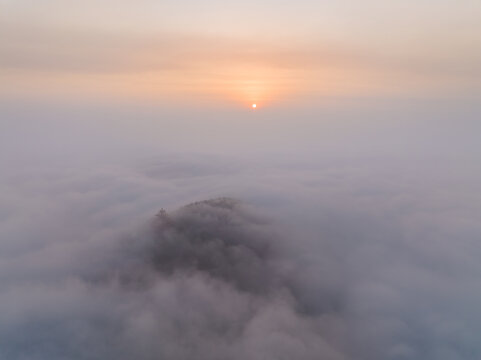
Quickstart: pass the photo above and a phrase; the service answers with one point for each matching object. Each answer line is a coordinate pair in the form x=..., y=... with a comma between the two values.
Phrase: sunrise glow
x=245, y=179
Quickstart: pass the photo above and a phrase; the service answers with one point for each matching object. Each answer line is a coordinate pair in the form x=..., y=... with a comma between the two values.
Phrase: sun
x=254, y=106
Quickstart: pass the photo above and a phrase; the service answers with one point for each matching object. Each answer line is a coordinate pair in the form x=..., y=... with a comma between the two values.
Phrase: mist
x=349, y=230
x=149, y=211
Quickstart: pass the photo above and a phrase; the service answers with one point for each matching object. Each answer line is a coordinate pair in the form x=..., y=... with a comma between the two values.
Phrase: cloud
x=37, y=60
x=202, y=282
x=335, y=259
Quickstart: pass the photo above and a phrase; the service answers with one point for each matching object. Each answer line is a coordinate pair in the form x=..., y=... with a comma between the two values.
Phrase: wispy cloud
x=63, y=61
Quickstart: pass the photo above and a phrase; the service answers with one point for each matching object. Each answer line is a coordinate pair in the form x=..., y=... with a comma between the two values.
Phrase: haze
x=147, y=211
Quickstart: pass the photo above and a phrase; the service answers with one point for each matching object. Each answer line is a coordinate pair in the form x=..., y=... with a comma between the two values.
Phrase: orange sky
x=82, y=52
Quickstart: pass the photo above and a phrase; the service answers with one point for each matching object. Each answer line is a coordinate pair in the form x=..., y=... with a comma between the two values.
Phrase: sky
x=230, y=53
x=147, y=211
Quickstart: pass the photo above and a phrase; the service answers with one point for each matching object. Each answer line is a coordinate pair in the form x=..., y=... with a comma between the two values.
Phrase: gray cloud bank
x=329, y=260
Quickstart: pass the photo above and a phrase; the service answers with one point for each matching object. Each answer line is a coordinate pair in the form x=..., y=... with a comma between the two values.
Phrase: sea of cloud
x=260, y=259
